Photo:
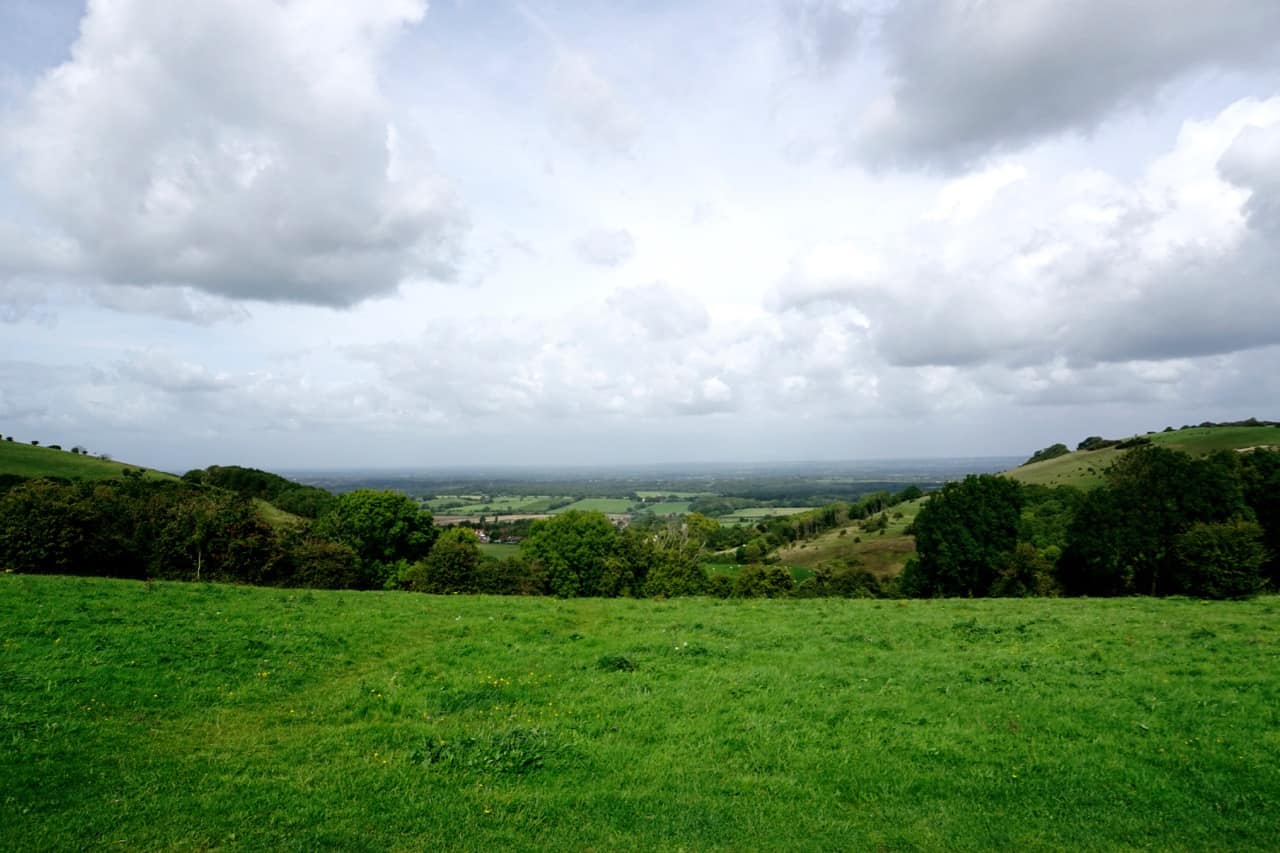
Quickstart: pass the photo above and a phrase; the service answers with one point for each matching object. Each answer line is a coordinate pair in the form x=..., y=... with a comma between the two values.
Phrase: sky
x=322, y=234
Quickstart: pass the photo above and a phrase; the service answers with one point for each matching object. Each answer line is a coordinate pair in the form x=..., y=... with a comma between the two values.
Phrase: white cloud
x=588, y=109
x=605, y=247
x=238, y=148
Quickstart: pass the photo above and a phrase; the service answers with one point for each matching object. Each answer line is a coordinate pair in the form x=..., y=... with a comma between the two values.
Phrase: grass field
x=204, y=716
x=668, y=508
x=1202, y=440
x=497, y=549
x=1084, y=469
x=682, y=495
x=753, y=514
x=26, y=460
x=614, y=505
x=497, y=505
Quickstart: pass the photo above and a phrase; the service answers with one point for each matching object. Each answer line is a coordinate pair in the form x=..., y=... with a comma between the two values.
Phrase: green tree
x=1122, y=539
x=451, y=566
x=963, y=533
x=573, y=547
x=1260, y=471
x=1220, y=560
x=387, y=531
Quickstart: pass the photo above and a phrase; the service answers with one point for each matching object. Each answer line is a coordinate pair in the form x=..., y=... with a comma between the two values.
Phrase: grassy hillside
x=26, y=460
x=1084, y=469
x=200, y=716
x=881, y=554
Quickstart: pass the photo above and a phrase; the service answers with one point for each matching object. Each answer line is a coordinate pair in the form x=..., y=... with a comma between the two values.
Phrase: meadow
x=26, y=460
x=205, y=716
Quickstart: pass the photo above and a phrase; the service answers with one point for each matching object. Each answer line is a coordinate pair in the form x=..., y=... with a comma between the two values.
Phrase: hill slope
x=26, y=460
x=1084, y=468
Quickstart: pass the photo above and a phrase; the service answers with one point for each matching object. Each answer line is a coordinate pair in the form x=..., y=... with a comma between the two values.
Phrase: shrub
x=720, y=585
x=1220, y=560
x=759, y=581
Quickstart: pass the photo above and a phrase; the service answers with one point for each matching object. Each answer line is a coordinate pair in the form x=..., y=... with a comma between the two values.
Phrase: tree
x=1260, y=471
x=1053, y=451
x=1122, y=539
x=573, y=547
x=962, y=535
x=387, y=531
x=1220, y=560
x=451, y=566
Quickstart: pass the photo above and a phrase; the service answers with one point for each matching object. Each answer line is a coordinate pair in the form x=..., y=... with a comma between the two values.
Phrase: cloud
x=241, y=149
x=184, y=304
x=605, y=247
x=821, y=34
x=1084, y=267
x=587, y=109
x=662, y=311
x=969, y=80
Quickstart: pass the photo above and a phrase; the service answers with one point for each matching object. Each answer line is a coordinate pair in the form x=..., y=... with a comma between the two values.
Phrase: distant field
x=171, y=716
x=26, y=460
x=495, y=549
x=497, y=505
x=613, y=505
x=668, y=508
x=651, y=494
x=754, y=514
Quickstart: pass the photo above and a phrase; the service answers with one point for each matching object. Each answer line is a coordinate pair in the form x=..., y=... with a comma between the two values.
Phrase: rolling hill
x=26, y=460
x=1084, y=468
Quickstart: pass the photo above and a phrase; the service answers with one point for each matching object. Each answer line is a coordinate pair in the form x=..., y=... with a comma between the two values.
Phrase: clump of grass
x=616, y=663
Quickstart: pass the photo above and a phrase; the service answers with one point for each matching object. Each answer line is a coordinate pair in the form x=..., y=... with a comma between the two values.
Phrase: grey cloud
x=606, y=247
x=184, y=304
x=969, y=80
x=251, y=155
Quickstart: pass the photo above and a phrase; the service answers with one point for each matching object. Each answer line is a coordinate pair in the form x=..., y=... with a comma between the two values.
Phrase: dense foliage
x=1164, y=523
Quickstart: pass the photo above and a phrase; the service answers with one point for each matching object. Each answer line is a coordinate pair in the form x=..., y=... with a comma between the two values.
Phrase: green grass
x=1084, y=469
x=26, y=460
x=277, y=517
x=657, y=494
x=614, y=505
x=883, y=555
x=497, y=549
x=1202, y=440
x=200, y=716
x=751, y=515
x=498, y=505
x=668, y=508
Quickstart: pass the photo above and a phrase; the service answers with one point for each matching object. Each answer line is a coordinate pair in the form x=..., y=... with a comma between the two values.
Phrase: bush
x=321, y=564
x=1024, y=572
x=1053, y=451
x=759, y=581
x=1220, y=560
x=720, y=585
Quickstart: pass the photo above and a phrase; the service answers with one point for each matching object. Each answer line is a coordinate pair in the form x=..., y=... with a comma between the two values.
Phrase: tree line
x=1164, y=523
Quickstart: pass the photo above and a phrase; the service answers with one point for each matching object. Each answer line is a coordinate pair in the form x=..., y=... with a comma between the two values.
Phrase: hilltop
x=1084, y=468
x=28, y=460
